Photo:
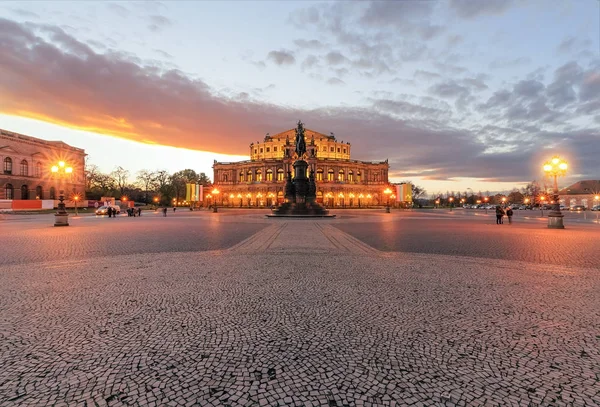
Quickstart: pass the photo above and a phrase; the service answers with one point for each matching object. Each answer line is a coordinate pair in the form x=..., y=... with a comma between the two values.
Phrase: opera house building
x=259, y=181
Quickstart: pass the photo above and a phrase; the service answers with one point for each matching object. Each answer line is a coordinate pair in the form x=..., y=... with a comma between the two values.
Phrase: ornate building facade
x=341, y=181
x=26, y=168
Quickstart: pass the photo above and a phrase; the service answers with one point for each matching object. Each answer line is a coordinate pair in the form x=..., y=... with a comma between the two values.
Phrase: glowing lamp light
x=547, y=167
x=555, y=160
x=563, y=166
x=61, y=163
x=54, y=168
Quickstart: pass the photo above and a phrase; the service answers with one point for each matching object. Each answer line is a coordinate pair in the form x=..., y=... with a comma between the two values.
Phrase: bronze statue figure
x=300, y=142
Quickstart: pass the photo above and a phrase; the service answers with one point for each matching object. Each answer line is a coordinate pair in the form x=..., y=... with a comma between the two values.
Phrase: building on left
x=26, y=168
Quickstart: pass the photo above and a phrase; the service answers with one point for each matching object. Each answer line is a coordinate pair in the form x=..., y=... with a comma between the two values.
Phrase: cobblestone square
x=238, y=316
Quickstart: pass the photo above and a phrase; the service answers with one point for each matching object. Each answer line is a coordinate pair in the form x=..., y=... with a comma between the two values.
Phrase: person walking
x=165, y=211
x=174, y=209
x=139, y=212
x=509, y=213
x=499, y=214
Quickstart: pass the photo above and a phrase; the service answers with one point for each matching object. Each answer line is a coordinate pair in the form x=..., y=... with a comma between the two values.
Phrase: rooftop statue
x=300, y=142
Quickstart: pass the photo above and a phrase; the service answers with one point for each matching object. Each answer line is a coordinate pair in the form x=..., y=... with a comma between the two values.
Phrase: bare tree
x=147, y=180
x=121, y=176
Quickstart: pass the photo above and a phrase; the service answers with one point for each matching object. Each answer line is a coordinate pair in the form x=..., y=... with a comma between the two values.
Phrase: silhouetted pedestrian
x=509, y=213
x=499, y=215
x=109, y=211
x=174, y=209
x=165, y=211
x=139, y=212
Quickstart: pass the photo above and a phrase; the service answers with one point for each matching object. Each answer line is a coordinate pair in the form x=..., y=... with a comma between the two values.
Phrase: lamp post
x=240, y=198
x=351, y=196
x=231, y=200
x=503, y=201
x=451, y=200
x=215, y=192
x=486, y=199
x=360, y=196
x=76, y=198
x=155, y=203
x=555, y=167
x=61, y=218
x=387, y=192
x=437, y=202
x=248, y=196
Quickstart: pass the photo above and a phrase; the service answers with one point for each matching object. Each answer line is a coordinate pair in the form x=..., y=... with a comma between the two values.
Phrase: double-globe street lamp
x=61, y=171
x=215, y=192
x=555, y=167
x=387, y=192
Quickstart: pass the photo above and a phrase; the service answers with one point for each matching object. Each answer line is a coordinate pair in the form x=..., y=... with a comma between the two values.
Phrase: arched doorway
x=39, y=193
x=24, y=192
x=52, y=193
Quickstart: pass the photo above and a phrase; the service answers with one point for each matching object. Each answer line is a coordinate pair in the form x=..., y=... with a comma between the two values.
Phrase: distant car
x=596, y=208
x=578, y=208
x=103, y=210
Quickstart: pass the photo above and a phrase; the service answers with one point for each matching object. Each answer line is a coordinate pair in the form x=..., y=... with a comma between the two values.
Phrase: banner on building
x=404, y=193
x=194, y=192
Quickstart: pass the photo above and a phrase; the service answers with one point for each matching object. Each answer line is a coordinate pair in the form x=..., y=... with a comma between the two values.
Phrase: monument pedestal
x=61, y=219
x=555, y=220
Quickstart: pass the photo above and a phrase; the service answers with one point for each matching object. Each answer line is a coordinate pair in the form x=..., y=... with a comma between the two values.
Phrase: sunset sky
x=455, y=93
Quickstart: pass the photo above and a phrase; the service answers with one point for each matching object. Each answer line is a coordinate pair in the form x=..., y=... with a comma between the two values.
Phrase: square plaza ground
x=411, y=308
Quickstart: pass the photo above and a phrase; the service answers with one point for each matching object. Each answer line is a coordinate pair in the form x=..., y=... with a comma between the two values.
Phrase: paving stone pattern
x=25, y=243
x=574, y=246
x=267, y=324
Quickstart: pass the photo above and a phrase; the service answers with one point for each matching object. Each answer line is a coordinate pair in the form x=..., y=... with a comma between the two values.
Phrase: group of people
x=500, y=212
x=133, y=211
x=111, y=212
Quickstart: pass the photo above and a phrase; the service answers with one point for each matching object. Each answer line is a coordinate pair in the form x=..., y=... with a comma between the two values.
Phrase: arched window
x=38, y=170
x=249, y=173
x=9, y=191
x=52, y=193
x=341, y=176
x=24, y=168
x=330, y=175
x=259, y=175
x=39, y=193
x=8, y=165
x=224, y=177
x=358, y=176
x=351, y=176
x=241, y=176
x=24, y=192
x=280, y=174
x=269, y=175
x=320, y=174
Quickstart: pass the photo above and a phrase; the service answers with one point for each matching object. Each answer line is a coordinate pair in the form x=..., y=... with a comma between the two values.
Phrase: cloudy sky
x=455, y=93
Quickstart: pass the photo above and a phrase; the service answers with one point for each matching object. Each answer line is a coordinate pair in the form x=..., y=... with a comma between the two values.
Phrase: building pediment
x=8, y=149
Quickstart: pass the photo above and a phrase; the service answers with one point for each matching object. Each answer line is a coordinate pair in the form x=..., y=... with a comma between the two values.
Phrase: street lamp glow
x=54, y=168
x=69, y=170
x=555, y=167
x=61, y=163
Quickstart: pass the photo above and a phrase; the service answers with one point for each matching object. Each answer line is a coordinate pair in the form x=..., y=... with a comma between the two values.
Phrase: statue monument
x=301, y=191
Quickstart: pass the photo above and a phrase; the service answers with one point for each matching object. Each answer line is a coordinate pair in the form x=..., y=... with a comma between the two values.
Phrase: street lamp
x=231, y=200
x=360, y=196
x=555, y=167
x=451, y=199
x=248, y=195
x=486, y=199
x=215, y=192
x=240, y=198
x=76, y=199
x=387, y=192
x=61, y=218
x=503, y=201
